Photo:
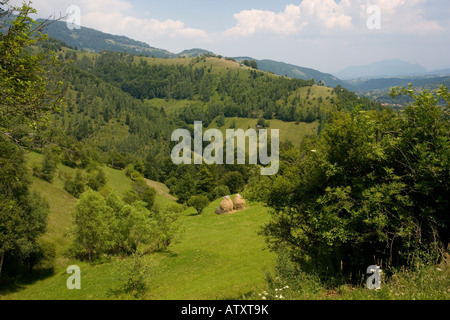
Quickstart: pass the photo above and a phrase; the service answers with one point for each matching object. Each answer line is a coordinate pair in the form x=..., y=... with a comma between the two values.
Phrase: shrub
x=199, y=202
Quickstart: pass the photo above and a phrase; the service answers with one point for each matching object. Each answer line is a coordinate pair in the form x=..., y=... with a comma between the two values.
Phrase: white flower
x=264, y=298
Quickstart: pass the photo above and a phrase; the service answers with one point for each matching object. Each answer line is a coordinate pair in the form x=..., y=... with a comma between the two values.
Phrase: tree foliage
x=373, y=187
x=107, y=225
x=23, y=215
x=27, y=95
x=199, y=202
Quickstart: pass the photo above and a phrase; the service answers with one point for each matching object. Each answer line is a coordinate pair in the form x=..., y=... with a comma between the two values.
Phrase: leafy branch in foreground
x=28, y=89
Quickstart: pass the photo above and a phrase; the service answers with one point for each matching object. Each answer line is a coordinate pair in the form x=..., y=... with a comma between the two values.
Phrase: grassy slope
x=219, y=257
x=288, y=130
x=216, y=257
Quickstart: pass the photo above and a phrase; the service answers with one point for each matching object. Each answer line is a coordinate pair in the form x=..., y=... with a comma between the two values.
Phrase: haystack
x=225, y=206
x=238, y=203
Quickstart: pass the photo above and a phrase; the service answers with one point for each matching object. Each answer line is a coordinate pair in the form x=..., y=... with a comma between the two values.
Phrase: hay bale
x=225, y=206
x=238, y=203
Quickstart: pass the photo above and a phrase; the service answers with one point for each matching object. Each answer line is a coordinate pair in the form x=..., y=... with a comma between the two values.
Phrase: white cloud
x=324, y=13
x=117, y=17
x=327, y=13
x=114, y=17
x=312, y=17
x=406, y=17
x=252, y=21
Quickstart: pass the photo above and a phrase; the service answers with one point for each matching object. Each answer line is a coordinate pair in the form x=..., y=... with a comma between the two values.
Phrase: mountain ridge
x=381, y=69
x=92, y=40
x=293, y=71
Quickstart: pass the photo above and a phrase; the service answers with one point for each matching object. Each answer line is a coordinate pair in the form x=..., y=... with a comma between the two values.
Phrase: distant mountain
x=381, y=69
x=440, y=72
x=379, y=89
x=432, y=82
x=285, y=69
x=95, y=41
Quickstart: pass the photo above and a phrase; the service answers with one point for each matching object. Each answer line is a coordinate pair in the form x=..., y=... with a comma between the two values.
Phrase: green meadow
x=213, y=257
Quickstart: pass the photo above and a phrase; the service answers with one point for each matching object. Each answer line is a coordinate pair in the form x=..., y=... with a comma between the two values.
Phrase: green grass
x=218, y=257
x=289, y=131
x=427, y=282
x=215, y=257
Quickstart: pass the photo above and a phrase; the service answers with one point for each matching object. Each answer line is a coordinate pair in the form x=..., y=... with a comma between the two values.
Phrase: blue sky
x=327, y=35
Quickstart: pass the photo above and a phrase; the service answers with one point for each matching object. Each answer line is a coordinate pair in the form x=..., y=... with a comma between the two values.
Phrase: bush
x=96, y=179
x=370, y=188
x=49, y=165
x=44, y=257
x=75, y=185
x=145, y=192
x=199, y=202
x=133, y=273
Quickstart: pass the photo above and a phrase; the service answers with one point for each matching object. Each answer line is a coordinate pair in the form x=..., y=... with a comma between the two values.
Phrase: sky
x=327, y=35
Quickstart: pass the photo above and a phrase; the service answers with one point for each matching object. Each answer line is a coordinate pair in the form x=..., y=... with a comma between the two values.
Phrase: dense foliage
x=27, y=94
x=108, y=225
x=372, y=189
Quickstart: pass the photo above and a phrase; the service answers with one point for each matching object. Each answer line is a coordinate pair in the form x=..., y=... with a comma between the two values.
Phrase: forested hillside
x=124, y=107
